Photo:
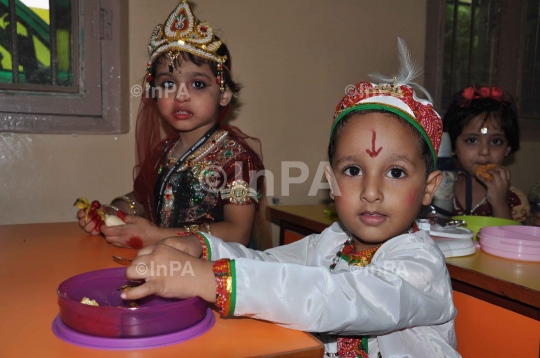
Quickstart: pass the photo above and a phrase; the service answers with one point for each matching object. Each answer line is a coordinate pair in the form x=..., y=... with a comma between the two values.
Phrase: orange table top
x=36, y=258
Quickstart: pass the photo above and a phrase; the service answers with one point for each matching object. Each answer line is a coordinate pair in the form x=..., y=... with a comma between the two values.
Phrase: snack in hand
x=128, y=287
x=111, y=220
x=481, y=171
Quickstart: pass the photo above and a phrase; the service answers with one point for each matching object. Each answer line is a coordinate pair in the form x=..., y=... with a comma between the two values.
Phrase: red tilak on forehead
x=373, y=153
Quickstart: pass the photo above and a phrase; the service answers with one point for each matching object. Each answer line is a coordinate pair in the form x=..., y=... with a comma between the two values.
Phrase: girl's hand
x=189, y=244
x=497, y=190
x=137, y=233
x=185, y=276
x=533, y=219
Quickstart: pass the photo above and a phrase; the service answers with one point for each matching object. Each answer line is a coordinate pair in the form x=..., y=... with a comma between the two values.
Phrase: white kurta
x=402, y=300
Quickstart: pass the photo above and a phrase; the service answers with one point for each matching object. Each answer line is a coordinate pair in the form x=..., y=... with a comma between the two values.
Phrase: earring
x=219, y=77
x=172, y=57
x=149, y=77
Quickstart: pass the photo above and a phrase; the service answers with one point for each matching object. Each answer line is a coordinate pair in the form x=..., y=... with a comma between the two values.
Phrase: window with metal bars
x=485, y=43
x=36, y=49
x=60, y=66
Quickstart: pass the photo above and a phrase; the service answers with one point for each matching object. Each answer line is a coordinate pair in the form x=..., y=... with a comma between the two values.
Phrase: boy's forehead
x=365, y=133
x=384, y=124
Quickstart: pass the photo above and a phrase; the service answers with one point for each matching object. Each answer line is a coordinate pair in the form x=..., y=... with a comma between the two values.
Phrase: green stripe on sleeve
x=233, y=293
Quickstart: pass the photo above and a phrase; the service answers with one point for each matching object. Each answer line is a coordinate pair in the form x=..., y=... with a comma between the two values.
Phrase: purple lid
x=83, y=340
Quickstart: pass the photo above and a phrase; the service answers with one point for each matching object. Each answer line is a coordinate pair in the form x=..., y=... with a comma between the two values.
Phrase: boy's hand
x=189, y=244
x=180, y=275
x=137, y=233
x=497, y=190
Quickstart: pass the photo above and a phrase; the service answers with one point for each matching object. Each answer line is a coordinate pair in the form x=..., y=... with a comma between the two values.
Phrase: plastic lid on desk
x=505, y=241
x=452, y=247
x=529, y=233
x=451, y=232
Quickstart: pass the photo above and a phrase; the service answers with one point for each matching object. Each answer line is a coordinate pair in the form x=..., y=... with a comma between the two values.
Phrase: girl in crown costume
x=193, y=171
x=372, y=285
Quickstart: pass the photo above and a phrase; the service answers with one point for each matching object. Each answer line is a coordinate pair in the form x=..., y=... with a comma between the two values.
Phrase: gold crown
x=184, y=32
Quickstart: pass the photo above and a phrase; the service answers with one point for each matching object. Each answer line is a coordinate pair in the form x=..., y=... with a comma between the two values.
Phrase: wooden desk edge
x=473, y=283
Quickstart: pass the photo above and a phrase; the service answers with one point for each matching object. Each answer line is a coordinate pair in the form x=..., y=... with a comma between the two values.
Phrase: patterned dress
x=219, y=173
x=516, y=200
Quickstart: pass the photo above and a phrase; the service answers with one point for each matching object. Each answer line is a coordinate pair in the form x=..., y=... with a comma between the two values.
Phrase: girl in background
x=483, y=128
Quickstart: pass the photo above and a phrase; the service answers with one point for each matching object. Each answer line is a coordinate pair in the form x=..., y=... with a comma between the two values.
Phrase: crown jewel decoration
x=184, y=32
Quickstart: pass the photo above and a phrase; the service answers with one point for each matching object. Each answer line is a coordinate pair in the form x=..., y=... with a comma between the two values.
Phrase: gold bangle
x=111, y=207
x=130, y=202
x=207, y=226
x=191, y=228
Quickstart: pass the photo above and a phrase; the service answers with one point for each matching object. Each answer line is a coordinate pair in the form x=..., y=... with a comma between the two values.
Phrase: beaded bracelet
x=130, y=202
x=224, y=280
x=205, y=249
x=191, y=228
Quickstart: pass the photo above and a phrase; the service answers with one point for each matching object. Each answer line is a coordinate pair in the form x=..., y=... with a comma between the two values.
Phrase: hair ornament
x=471, y=93
x=485, y=125
x=184, y=32
x=409, y=70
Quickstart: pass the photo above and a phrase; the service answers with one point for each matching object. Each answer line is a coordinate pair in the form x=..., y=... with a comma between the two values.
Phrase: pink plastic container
x=154, y=316
x=512, y=242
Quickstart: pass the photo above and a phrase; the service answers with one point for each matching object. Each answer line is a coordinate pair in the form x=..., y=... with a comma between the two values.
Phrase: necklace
x=362, y=258
x=170, y=159
x=480, y=203
x=191, y=160
x=475, y=207
x=200, y=153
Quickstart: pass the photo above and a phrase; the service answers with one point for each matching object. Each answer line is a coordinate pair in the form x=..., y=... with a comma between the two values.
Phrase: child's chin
x=371, y=235
x=374, y=234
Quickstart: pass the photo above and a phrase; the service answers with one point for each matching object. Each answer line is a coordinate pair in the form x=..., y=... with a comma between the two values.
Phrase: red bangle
x=222, y=272
x=205, y=254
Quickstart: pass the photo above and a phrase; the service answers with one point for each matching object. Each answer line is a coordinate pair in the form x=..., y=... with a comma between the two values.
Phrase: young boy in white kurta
x=372, y=285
